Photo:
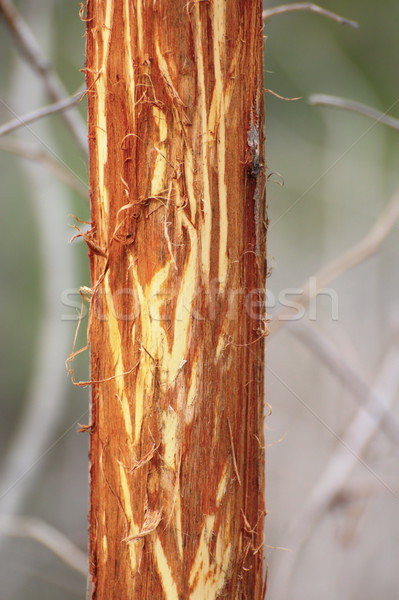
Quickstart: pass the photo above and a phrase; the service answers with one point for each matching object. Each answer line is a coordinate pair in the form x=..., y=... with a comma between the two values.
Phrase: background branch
x=357, y=107
x=40, y=113
x=30, y=49
x=37, y=155
x=343, y=263
x=48, y=536
x=306, y=6
x=335, y=475
x=338, y=363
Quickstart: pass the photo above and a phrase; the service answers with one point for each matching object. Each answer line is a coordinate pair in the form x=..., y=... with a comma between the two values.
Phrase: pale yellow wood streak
x=189, y=179
x=170, y=437
x=187, y=293
x=151, y=339
x=134, y=548
x=130, y=82
x=115, y=341
x=143, y=388
x=139, y=17
x=179, y=533
x=105, y=548
x=168, y=583
x=158, y=178
x=221, y=346
x=100, y=89
x=170, y=423
x=206, y=227
x=160, y=120
x=219, y=36
x=189, y=409
x=222, y=485
x=231, y=80
x=208, y=574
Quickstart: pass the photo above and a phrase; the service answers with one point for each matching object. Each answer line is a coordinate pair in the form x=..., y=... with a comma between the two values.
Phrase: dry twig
x=40, y=113
x=31, y=152
x=357, y=107
x=307, y=6
x=48, y=536
x=335, y=475
x=32, y=52
x=339, y=365
x=343, y=263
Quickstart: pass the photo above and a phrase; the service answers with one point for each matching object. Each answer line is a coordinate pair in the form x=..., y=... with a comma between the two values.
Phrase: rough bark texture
x=177, y=252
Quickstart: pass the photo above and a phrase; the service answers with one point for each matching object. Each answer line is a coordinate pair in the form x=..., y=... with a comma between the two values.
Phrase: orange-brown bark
x=177, y=252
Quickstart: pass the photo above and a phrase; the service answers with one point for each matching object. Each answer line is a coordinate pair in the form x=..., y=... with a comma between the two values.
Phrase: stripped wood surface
x=177, y=324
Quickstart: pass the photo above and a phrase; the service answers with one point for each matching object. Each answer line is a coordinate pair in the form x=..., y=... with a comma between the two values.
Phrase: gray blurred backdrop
x=332, y=529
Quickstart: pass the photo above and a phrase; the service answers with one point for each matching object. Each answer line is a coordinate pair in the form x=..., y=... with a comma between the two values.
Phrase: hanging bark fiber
x=177, y=252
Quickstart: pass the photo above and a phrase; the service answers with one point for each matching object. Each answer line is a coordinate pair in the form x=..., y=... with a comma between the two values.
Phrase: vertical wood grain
x=176, y=324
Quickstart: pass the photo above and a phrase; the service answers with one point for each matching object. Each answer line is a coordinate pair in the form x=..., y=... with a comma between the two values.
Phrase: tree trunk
x=177, y=251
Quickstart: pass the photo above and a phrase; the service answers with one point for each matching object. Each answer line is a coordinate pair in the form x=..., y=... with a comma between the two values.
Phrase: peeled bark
x=177, y=252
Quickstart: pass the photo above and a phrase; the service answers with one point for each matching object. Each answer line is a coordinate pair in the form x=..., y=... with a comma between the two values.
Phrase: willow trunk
x=177, y=253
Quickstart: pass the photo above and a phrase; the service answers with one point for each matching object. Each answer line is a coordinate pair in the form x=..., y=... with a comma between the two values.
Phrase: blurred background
x=332, y=529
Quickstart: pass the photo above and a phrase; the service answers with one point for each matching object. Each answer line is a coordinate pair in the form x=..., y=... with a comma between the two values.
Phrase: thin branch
x=32, y=52
x=280, y=97
x=357, y=107
x=343, y=263
x=334, y=478
x=310, y=7
x=48, y=536
x=40, y=113
x=339, y=365
x=31, y=152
